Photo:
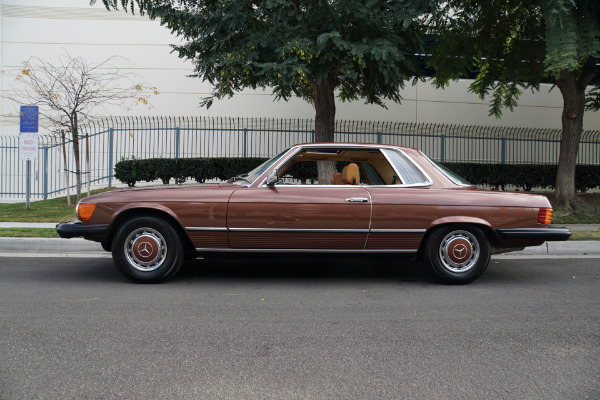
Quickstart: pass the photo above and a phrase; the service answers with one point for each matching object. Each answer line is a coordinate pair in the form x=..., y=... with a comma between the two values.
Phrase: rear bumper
x=73, y=229
x=550, y=234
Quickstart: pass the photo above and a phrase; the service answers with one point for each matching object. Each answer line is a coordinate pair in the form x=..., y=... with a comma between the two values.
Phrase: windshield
x=256, y=172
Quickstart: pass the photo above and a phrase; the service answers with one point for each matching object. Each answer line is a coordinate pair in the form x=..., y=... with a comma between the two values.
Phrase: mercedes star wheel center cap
x=459, y=250
x=146, y=248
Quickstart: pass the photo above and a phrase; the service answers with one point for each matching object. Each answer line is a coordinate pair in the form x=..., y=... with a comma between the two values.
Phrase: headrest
x=336, y=179
x=351, y=174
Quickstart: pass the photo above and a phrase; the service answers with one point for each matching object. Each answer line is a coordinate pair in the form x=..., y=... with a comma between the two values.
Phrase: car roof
x=349, y=144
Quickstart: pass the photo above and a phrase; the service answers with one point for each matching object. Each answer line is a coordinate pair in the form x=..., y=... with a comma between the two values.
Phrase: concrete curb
x=572, y=247
x=46, y=245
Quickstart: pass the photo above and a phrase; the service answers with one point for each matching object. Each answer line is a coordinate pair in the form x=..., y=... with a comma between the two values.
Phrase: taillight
x=85, y=211
x=545, y=216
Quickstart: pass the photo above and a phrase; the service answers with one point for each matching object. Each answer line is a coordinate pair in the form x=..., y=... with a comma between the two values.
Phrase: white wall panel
x=44, y=28
x=148, y=56
x=477, y=114
x=128, y=32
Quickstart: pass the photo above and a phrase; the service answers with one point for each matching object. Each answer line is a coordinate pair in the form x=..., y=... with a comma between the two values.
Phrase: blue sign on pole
x=29, y=118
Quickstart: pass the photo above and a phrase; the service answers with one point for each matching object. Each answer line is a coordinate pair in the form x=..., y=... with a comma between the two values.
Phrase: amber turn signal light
x=545, y=216
x=85, y=211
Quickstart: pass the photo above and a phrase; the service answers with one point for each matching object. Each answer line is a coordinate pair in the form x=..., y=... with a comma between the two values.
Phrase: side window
x=372, y=176
x=409, y=173
x=371, y=166
x=306, y=173
x=301, y=173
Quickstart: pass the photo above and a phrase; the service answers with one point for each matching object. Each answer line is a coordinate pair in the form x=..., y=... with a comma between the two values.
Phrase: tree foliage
x=508, y=46
x=365, y=49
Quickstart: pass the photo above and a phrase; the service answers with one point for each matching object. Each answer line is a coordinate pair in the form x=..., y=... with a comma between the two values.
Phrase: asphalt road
x=299, y=328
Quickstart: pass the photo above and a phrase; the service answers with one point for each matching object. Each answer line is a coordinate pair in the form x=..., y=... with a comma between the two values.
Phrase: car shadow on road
x=305, y=267
x=301, y=267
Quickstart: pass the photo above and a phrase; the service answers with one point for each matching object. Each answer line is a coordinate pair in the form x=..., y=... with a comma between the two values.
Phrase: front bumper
x=67, y=230
x=550, y=234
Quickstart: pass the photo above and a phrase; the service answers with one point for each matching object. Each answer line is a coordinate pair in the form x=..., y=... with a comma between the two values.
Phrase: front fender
x=145, y=206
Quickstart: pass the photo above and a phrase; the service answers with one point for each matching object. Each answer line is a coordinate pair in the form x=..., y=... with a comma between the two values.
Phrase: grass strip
x=53, y=210
x=29, y=232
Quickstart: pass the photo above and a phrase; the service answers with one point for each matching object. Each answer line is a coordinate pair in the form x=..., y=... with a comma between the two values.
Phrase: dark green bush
x=523, y=175
x=203, y=169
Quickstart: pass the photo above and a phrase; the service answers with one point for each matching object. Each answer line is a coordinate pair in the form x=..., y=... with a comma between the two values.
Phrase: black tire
x=148, y=249
x=456, y=254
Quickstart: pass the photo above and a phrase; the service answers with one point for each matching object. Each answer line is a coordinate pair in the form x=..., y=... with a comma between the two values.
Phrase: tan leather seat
x=336, y=179
x=351, y=174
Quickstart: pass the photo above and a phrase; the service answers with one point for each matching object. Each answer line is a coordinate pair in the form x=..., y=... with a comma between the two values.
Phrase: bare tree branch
x=70, y=92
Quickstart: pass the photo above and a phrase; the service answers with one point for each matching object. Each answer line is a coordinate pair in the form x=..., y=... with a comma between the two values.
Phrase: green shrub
x=525, y=176
x=203, y=169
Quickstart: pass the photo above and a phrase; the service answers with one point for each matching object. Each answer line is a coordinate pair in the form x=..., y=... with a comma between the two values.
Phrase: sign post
x=28, y=142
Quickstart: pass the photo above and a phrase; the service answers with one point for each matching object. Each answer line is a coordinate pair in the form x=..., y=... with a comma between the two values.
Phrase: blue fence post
x=111, y=138
x=45, y=173
x=177, y=141
x=244, y=150
x=312, y=136
x=378, y=137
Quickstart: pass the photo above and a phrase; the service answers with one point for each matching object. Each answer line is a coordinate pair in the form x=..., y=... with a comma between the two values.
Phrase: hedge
x=524, y=176
x=203, y=169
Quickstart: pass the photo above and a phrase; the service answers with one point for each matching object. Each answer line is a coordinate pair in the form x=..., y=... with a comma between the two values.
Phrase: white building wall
x=46, y=29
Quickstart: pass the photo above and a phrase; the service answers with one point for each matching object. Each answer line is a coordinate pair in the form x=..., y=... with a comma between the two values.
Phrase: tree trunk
x=324, y=123
x=76, y=154
x=88, y=168
x=68, y=185
x=573, y=92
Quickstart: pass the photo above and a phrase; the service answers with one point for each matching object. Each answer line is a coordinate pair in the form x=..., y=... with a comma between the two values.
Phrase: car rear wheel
x=148, y=249
x=456, y=254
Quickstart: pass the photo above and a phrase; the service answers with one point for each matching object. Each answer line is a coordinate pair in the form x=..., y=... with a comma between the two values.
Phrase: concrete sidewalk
x=76, y=247
x=28, y=224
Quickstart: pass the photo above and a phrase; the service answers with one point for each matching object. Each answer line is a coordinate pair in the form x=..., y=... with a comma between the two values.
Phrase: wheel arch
x=483, y=225
x=132, y=211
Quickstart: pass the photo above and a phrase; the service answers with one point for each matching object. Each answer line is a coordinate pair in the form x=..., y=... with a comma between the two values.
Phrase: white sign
x=28, y=146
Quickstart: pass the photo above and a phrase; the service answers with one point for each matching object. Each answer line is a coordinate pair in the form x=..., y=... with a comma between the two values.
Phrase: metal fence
x=113, y=139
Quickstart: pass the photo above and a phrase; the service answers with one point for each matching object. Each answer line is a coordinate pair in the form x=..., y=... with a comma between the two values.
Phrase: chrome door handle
x=357, y=199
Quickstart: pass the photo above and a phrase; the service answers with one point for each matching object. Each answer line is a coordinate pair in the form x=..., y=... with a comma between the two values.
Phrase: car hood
x=158, y=192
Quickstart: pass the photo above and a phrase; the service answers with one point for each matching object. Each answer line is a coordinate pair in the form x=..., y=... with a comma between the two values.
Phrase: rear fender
x=481, y=223
x=459, y=220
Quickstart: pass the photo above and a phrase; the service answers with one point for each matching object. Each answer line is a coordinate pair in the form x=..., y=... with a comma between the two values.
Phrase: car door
x=399, y=219
x=401, y=212
x=303, y=217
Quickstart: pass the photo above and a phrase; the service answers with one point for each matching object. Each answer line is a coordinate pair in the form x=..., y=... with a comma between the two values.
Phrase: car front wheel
x=148, y=249
x=456, y=254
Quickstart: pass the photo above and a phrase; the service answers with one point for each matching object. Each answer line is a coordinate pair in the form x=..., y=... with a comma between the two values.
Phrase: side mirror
x=272, y=178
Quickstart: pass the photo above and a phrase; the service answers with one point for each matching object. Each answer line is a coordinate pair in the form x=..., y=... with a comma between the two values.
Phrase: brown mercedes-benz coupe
x=383, y=199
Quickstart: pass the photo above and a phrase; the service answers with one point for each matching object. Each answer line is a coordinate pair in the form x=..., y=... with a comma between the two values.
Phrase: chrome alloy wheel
x=145, y=249
x=459, y=251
